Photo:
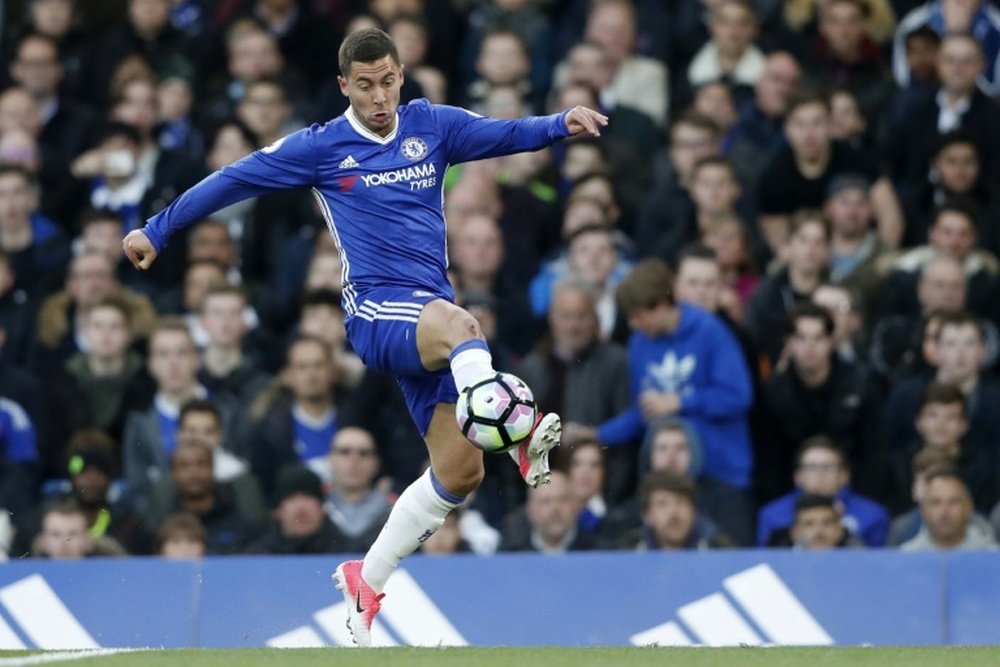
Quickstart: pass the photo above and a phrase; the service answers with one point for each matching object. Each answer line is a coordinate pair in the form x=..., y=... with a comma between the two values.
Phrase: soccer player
x=377, y=173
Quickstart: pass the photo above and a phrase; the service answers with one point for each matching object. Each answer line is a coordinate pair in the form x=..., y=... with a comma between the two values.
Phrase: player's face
x=373, y=89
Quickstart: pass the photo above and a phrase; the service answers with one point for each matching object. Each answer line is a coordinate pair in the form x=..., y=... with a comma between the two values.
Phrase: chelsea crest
x=414, y=148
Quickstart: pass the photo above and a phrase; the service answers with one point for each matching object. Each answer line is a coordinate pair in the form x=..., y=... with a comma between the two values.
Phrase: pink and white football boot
x=361, y=599
x=532, y=455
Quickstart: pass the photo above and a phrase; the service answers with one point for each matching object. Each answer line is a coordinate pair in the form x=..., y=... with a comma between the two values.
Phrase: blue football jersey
x=382, y=197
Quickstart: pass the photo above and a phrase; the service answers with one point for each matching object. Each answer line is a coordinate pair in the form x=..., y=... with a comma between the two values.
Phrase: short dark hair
x=716, y=161
x=646, y=286
x=810, y=501
x=698, y=120
x=923, y=32
x=808, y=216
x=669, y=481
x=92, y=215
x=929, y=459
x=366, y=46
x=804, y=97
x=962, y=319
x=182, y=525
x=225, y=289
x=696, y=250
x=953, y=138
x=960, y=205
x=946, y=472
x=114, y=128
x=819, y=442
x=302, y=339
x=807, y=310
x=944, y=393
x=200, y=405
x=114, y=302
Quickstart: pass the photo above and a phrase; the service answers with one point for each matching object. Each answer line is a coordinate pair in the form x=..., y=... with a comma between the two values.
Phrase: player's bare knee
x=462, y=326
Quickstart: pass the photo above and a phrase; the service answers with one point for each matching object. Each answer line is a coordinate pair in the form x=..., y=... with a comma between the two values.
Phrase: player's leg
x=449, y=335
x=456, y=470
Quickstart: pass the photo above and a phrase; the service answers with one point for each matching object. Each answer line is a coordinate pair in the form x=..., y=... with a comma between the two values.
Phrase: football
x=497, y=413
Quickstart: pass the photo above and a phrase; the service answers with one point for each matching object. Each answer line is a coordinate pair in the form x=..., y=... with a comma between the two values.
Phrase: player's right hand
x=139, y=249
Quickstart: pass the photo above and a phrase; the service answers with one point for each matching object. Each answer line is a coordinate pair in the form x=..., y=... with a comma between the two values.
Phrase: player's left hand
x=584, y=119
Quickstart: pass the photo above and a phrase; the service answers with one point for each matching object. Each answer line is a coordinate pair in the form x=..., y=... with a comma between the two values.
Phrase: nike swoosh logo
x=358, y=604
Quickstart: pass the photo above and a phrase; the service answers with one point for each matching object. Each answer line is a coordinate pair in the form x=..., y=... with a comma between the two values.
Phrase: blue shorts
x=383, y=332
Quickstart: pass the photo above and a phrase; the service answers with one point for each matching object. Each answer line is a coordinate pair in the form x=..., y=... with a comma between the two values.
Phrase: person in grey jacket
x=946, y=508
x=583, y=379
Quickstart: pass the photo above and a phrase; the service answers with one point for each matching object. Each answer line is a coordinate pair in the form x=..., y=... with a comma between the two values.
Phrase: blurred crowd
x=765, y=301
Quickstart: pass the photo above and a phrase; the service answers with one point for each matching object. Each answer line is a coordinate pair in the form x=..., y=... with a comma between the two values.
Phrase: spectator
x=905, y=525
x=295, y=426
x=816, y=393
x=89, y=280
x=960, y=353
x=952, y=233
x=90, y=464
x=822, y=469
x=855, y=247
x=957, y=105
x=685, y=362
x=942, y=424
x=181, y=537
x=797, y=177
x=818, y=525
x=715, y=192
x=638, y=81
x=670, y=517
x=477, y=251
x=586, y=479
x=201, y=422
x=758, y=132
x=226, y=369
x=64, y=536
x=105, y=375
x=730, y=239
x=955, y=174
x=945, y=17
x=730, y=53
x=65, y=126
x=37, y=248
x=847, y=122
x=671, y=444
x=300, y=526
x=807, y=260
x=845, y=55
x=18, y=459
x=548, y=524
x=502, y=60
x=946, y=510
x=693, y=137
x=323, y=317
x=151, y=434
x=355, y=506
x=229, y=514
x=266, y=110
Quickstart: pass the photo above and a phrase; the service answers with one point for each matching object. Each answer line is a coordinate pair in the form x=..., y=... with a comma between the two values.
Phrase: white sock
x=470, y=362
x=418, y=513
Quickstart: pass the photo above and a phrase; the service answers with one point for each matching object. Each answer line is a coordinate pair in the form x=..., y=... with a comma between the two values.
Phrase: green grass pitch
x=526, y=657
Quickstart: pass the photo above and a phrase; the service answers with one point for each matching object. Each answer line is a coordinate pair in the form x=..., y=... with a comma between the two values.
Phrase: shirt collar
x=355, y=122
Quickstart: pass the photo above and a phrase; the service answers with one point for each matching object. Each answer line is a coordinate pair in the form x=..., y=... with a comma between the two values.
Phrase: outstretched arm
x=469, y=136
x=287, y=163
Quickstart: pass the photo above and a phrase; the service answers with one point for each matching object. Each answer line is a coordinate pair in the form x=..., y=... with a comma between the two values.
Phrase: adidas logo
x=40, y=618
x=759, y=609
x=411, y=620
x=349, y=163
